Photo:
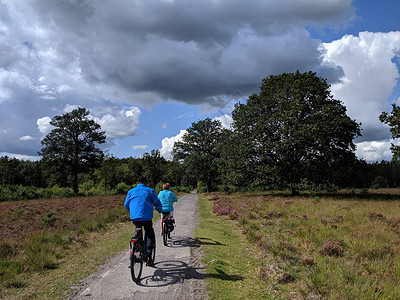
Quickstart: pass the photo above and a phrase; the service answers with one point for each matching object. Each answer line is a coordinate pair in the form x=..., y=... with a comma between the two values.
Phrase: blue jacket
x=140, y=200
x=167, y=197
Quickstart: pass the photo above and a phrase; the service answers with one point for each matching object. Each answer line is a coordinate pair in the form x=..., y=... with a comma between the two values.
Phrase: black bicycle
x=138, y=254
x=168, y=225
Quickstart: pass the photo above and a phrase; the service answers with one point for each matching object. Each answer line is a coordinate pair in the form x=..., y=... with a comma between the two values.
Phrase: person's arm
x=175, y=199
x=127, y=200
x=156, y=201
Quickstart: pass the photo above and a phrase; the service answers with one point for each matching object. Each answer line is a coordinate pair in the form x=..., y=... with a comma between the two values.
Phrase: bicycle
x=167, y=227
x=138, y=254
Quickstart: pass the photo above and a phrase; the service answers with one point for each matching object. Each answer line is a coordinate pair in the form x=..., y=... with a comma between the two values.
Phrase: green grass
x=330, y=248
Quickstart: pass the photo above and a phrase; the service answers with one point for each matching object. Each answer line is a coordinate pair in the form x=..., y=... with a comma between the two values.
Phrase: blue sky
x=147, y=69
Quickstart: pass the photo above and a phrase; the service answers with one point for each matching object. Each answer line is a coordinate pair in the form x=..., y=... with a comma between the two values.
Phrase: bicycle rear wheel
x=136, y=262
x=153, y=253
x=165, y=233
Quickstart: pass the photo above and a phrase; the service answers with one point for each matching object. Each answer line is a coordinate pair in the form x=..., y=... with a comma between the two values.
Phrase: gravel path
x=177, y=273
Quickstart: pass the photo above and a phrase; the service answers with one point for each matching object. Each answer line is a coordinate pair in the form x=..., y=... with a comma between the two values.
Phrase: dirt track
x=177, y=273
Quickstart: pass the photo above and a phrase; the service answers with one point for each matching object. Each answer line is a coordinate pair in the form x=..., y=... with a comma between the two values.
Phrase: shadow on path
x=185, y=241
x=175, y=271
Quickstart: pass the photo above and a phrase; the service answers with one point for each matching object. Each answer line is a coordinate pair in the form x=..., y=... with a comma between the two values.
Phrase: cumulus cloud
x=226, y=120
x=370, y=76
x=375, y=150
x=168, y=144
x=43, y=125
x=119, y=124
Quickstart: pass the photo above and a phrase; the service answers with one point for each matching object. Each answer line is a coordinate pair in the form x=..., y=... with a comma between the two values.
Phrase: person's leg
x=151, y=238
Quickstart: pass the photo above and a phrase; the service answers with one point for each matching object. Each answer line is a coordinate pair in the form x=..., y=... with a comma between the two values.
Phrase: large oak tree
x=294, y=130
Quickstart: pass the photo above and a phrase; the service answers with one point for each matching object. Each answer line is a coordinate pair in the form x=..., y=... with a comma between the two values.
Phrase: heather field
x=38, y=236
x=345, y=246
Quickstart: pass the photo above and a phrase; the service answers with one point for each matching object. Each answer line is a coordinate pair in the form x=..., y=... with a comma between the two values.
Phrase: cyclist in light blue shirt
x=167, y=198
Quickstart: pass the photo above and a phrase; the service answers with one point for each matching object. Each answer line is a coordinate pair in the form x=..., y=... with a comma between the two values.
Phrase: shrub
x=86, y=188
x=122, y=188
x=201, y=188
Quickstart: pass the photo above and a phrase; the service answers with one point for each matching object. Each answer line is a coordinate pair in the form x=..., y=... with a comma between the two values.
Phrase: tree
x=72, y=144
x=393, y=120
x=199, y=151
x=153, y=166
x=294, y=130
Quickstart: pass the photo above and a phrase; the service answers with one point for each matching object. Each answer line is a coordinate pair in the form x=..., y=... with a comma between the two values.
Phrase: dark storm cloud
x=95, y=53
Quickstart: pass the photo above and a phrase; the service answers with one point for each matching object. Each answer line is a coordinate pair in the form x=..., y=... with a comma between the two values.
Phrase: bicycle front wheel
x=136, y=258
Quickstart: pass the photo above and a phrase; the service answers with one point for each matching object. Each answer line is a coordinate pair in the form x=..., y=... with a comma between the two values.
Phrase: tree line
x=292, y=135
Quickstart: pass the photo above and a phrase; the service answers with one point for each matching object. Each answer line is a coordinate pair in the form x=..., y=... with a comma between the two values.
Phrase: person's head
x=141, y=179
x=166, y=186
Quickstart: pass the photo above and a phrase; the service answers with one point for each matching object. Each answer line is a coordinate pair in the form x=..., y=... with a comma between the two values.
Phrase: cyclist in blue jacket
x=140, y=201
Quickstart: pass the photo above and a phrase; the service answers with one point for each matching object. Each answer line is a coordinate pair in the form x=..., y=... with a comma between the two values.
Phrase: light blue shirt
x=167, y=198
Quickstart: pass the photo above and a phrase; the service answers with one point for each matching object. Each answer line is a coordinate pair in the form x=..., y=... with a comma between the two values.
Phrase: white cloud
x=120, y=124
x=374, y=151
x=20, y=156
x=369, y=79
x=168, y=144
x=44, y=125
x=225, y=120
x=139, y=147
x=26, y=138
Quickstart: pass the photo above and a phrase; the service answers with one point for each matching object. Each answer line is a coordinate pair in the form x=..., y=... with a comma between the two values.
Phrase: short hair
x=141, y=179
x=166, y=186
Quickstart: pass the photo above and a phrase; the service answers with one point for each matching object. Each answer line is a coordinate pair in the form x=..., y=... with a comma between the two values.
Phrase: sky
x=146, y=69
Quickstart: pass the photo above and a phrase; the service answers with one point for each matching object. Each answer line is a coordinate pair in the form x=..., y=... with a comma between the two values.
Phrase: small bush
x=49, y=218
x=122, y=188
x=201, y=188
x=39, y=251
x=18, y=212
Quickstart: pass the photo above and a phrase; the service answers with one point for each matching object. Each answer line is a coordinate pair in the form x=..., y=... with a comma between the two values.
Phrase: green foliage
x=379, y=182
x=87, y=188
x=199, y=151
x=122, y=188
x=393, y=120
x=154, y=165
x=201, y=188
x=159, y=187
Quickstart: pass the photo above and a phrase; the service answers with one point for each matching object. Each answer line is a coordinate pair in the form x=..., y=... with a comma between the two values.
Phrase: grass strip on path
x=232, y=262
